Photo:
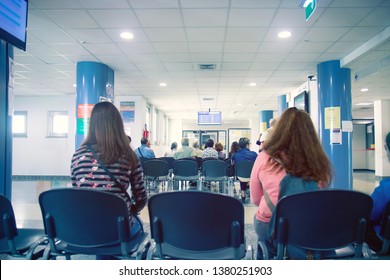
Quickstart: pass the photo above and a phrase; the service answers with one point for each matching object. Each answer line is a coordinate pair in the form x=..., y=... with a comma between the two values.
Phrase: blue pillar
x=264, y=118
x=95, y=82
x=6, y=52
x=334, y=107
x=282, y=104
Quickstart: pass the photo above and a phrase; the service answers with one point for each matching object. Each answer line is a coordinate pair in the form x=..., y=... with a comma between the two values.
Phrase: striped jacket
x=87, y=173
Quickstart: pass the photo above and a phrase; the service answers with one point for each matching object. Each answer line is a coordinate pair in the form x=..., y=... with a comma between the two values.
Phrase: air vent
x=207, y=66
x=208, y=98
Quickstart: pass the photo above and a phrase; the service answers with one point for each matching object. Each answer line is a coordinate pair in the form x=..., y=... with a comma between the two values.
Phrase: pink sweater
x=264, y=177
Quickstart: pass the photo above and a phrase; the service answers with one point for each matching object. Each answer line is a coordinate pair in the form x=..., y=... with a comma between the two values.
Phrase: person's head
x=387, y=145
x=243, y=142
x=218, y=147
x=294, y=143
x=195, y=145
x=144, y=141
x=272, y=122
x=234, y=147
x=209, y=143
x=185, y=141
x=106, y=131
x=173, y=146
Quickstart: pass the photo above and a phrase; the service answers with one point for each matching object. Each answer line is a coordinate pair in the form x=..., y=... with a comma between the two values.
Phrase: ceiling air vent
x=207, y=66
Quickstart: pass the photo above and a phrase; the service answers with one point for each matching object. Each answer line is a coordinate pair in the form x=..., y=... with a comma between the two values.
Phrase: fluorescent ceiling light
x=364, y=89
x=163, y=84
x=127, y=35
x=364, y=104
x=284, y=34
x=252, y=84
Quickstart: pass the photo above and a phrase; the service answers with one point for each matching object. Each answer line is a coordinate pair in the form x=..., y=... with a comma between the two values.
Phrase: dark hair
x=243, y=142
x=144, y=141
x=388, y=140
x=173, y=145
x=106, y=131
x=185, y=141
x=234, y=148
x=294, y=146
x=209, y=143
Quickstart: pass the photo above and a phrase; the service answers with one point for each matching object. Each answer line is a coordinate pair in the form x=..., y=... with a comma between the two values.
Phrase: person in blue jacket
x=380, y=197
x=244, y=154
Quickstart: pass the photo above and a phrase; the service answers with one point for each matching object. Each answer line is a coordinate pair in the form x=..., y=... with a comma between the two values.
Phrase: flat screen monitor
x=209, y=118
x=301, y=101
x=13, y=22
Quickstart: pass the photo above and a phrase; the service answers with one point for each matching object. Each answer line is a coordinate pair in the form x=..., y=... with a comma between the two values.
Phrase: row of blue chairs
x=187, y=225
x=177, y=173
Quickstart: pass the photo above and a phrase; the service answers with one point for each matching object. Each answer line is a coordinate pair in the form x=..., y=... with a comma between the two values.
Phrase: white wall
x=37, y=154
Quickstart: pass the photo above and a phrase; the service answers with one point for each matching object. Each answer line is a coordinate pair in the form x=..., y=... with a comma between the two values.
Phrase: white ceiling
x=171, y=37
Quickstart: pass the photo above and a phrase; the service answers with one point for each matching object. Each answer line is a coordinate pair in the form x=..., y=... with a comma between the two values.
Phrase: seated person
x=185, y=151
x=209, y=151
x=172, y=152
x=144, y=151
x=197, y=152
x=244, y=154
x=380, y=198
x=219, y=149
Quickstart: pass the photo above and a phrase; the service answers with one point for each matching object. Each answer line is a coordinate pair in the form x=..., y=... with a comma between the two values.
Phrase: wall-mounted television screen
x=13, y=22
x=301, y=101
x=209, y=118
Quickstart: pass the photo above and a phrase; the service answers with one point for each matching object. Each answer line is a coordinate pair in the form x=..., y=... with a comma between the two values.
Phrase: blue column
x=95, y=82
x=6, y=52
x=334, y=107
x=282, y=104
x=264, y=117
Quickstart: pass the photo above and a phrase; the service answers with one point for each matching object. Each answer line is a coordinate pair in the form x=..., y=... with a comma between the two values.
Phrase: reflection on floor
x=25, y=201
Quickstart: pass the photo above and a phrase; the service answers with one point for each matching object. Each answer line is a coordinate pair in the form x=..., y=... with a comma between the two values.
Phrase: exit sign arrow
x=310, y=8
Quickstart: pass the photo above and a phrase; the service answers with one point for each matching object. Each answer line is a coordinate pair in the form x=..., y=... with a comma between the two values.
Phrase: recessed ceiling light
x=252, y=84
x=74, y=85
x=163, y=84
x=284, y=34
x=364, y=89
x=127, y=35
x=364, y=104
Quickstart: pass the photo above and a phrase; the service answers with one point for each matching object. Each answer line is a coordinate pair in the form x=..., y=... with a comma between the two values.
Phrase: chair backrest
x=243, y=168
x=170, y=161
x=84, y=217
x=323, y=219
x=385, y=225
x=8, y=229
x=156, y=168
x=195, y=221
x=185, y=167
x=214, y=168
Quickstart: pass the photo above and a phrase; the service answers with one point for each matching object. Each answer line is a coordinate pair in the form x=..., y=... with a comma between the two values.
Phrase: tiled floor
x=25, y=201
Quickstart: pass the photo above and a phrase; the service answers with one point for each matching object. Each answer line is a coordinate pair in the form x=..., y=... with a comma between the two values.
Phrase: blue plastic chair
x=88, y=222
x=196, y=225
x=215, y=170
x=18, y=242
x=185, y=170
x=324, y=224
x=156, y=171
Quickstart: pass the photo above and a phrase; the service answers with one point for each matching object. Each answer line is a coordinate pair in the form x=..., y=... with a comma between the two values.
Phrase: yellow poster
x=332, y=117
x=263, y=127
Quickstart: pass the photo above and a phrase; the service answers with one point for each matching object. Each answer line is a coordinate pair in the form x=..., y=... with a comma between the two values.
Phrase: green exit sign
x=310, y=8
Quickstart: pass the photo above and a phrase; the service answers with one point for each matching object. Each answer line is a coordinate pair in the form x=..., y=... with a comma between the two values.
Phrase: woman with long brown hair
x=292, y=148
x=106, y=162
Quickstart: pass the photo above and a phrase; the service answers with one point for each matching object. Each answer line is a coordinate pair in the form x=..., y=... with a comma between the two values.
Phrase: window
x=19, y=124
x=58, y=124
